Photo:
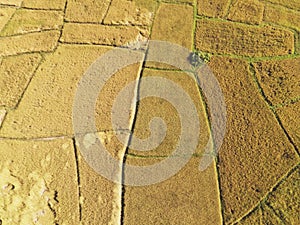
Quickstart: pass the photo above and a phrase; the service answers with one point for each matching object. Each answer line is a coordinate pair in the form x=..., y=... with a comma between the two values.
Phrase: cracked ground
x=252, y=48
